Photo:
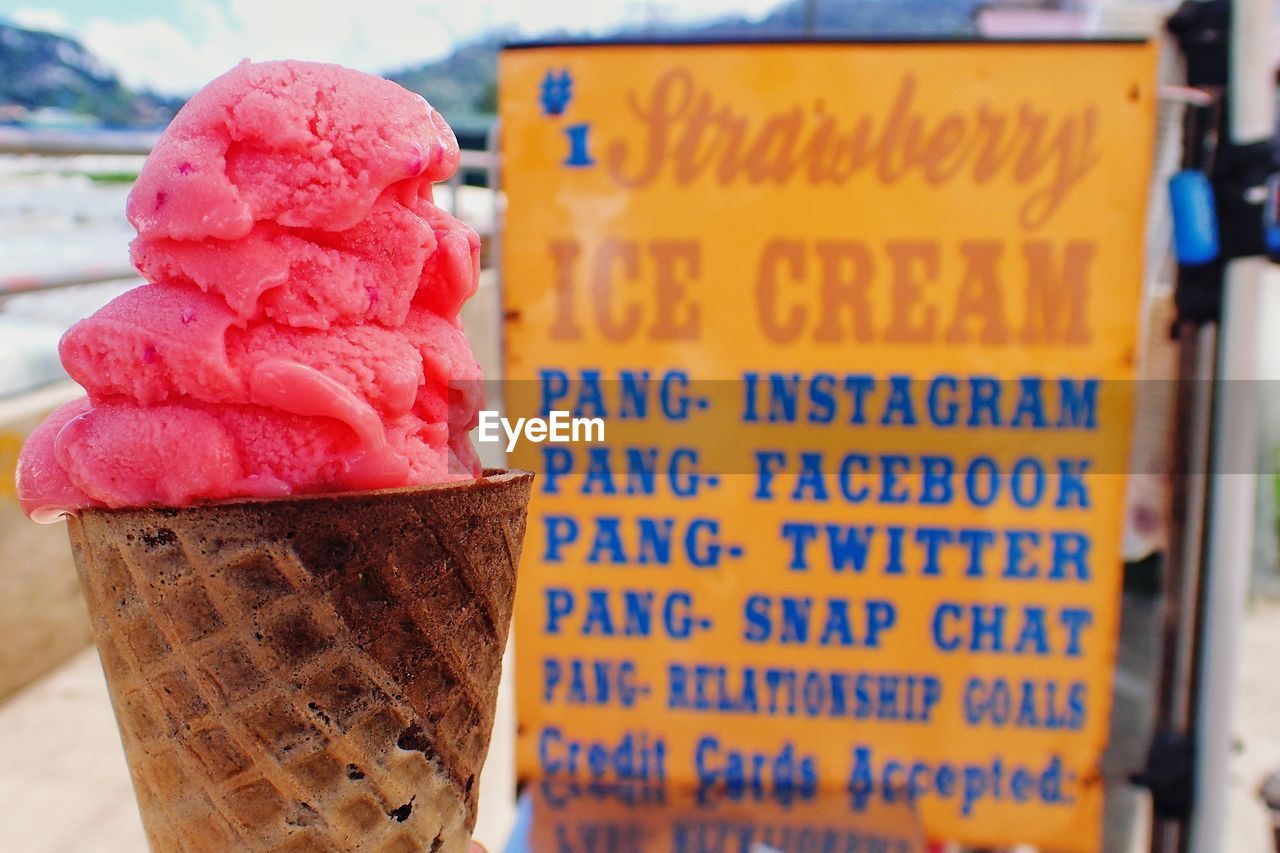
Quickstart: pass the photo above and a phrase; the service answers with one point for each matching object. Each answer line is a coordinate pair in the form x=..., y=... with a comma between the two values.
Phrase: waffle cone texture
x=308, y=674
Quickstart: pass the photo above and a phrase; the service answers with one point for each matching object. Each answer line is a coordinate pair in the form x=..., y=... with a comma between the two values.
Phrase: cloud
x=31, y=18
x=199, y=39
x=371, y=35
x=154, y=54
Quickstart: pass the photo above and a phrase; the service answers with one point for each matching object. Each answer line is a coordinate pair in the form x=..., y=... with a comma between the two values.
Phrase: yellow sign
x=859, y=321
x=628, y=818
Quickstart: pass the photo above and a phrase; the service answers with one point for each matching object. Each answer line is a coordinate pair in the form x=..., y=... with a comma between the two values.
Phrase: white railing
x=66, y=143
x=14, y=284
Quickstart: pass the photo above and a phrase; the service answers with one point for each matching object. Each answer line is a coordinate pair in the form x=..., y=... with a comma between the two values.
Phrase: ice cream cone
x=312, y=673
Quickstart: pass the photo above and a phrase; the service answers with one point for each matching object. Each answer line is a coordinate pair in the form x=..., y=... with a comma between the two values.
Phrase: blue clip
x=1195, y=218
x=1271, y=218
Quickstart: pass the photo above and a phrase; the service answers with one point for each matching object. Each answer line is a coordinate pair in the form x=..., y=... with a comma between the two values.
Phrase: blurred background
x=86, y=86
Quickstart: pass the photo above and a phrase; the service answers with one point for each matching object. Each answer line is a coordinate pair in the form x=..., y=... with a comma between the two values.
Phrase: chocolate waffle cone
x=315, y=673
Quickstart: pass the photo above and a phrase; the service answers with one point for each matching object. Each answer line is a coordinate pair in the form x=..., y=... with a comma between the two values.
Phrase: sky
x=174, y=46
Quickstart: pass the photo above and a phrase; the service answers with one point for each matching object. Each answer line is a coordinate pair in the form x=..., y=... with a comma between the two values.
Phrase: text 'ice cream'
x=299, y=332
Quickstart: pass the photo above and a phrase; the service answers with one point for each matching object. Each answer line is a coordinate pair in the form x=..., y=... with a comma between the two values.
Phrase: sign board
x=860, y=321
x=633, y=818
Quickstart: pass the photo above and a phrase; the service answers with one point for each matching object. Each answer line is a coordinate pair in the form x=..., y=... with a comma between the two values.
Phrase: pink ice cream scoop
x=299, y=332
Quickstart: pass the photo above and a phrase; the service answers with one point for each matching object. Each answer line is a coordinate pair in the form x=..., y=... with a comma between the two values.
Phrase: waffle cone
x=313, y=673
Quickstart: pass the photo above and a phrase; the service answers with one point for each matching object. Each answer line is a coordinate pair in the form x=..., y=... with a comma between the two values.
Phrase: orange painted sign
x=629, y=818
x=860, y=321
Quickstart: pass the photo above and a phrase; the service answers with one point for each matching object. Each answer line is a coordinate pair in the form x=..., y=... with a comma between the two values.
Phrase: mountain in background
x=463, y=85
x=45, y=76
x=50, y=78
x=862, y=18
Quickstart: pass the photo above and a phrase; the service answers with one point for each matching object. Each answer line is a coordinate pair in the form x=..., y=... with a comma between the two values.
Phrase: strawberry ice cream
x=299, y=332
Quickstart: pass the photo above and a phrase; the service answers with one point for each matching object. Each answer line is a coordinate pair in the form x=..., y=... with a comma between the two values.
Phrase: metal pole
x=1193, y=436
x=1230, y=531
x=1169, y=772
x=810, y=17
x=1252, y=82
x=1193, y=433
x=1231, y=517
